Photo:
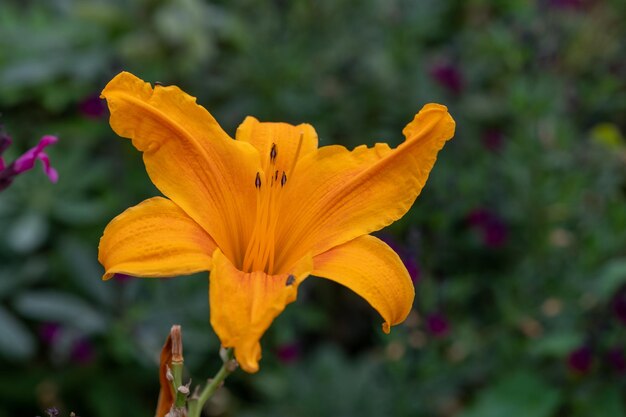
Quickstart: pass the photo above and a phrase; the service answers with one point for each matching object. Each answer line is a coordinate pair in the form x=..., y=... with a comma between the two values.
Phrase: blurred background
x=517, y=245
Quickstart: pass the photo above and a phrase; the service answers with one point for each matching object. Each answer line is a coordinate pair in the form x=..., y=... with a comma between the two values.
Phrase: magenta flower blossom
x=83, y=352
x=449, y=77
x=493, y=230
x=580, y=360
x=92, y=107
x=437, y=324
x=288, y=353
x=49, y=332
x=26, y=161
x=493, y=139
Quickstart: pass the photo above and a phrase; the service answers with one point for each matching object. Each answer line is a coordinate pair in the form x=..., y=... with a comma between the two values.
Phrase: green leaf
x=16, y=341
x=85, y=270
x=13, y=278
x=557, y=344
x=521, y=394
x=27, y=233
x=611, y=278
x=79, y=212
x=603, y=401
x=62, y=308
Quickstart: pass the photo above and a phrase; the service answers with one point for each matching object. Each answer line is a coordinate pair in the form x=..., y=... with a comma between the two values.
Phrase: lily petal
x=243, y=305
x=155, y=238
x=291, y=142
x=188, y=157
x=370, y=268
x=336, y=195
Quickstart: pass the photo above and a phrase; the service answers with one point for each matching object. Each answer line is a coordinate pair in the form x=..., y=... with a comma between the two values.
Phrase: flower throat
x=261, y=250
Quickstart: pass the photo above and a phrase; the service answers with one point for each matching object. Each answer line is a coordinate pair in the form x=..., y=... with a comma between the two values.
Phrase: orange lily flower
x=264, y=211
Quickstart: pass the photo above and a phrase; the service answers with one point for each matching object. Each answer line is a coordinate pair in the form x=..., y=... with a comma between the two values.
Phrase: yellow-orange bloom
x=264, y=211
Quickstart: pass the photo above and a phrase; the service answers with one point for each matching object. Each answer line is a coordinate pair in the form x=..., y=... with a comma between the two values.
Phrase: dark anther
x=257, y=181
x=158, y=83
x=283, y=180
x=273, y=153
x=290, y=280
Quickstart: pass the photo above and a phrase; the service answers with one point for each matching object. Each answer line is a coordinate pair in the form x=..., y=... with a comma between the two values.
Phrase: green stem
x=196, y=404
x=177, y=372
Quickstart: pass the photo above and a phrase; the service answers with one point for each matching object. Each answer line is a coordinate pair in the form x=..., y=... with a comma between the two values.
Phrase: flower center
x=269, y=184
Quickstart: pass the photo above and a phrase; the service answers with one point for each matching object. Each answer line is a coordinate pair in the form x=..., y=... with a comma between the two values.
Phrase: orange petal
x=336, y=195
x=370, y=268
x=284, y=136
x=243, y=305
x=155, y=238
x=166, y=395
x=188, y=157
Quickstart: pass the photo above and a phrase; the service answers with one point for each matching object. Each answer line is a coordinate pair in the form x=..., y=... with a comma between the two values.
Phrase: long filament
x=261, y=249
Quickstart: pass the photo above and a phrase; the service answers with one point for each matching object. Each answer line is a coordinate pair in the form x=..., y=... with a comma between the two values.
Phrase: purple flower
x=288, y=353
x=26, y=161
x=437, y=324
x=492, y=228
x=82, y=351
x=580, y=360
x=616, y=359
x=412, y=267
x=92, y=107
x=49, y=332
x=448, y=76
x=493, y=139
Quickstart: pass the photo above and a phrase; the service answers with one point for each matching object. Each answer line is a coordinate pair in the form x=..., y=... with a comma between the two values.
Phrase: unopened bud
x=177, y=344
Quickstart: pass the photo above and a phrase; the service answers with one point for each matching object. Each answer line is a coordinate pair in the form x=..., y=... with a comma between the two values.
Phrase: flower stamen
x=261, y=250
x=273, y=154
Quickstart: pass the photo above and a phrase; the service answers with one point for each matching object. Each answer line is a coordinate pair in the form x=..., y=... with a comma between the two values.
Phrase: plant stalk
x=196, y=403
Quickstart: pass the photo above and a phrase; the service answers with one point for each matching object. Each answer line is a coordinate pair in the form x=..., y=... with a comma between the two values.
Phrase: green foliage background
x=548, y=77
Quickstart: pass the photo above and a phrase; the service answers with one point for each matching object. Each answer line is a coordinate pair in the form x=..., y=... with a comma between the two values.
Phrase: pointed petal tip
x=248, y=355
x=249, y=365
x=371, y=269
x=433, y=120
x=48, y=140
x=243, y=305
x=435, y=106
x=125, y=81
x=386, y=327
